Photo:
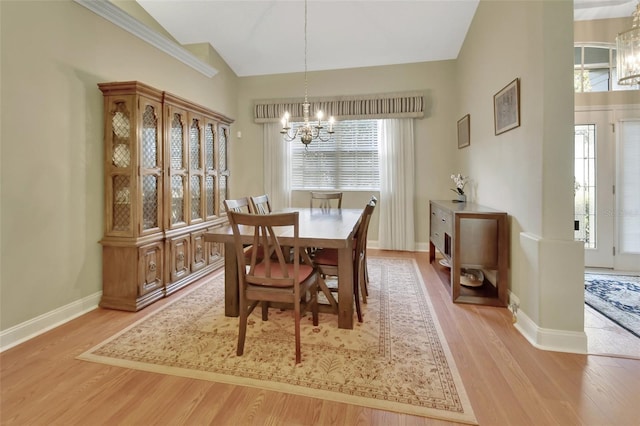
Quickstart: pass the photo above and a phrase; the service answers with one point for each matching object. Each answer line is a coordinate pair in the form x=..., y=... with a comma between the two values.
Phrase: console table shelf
x=473, y=237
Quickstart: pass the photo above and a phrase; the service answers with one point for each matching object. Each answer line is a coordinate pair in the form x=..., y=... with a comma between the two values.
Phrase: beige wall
x=527, y=171
x=435, y=137
x=53, y=55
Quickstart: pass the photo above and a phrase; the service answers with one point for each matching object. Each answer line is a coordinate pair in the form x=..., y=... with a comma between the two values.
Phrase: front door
x=627, y=218
x=607, y=178
x=594, y=191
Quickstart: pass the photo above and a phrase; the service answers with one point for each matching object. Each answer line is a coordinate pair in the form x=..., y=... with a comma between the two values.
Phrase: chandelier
x=628, y=52
x=308, y=131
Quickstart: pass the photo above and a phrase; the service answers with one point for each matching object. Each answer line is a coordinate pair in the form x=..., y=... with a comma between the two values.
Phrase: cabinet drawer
x=441, y=225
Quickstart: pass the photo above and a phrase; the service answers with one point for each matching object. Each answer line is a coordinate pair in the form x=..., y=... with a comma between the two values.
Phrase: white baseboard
x=549, y=339
x=29, y=329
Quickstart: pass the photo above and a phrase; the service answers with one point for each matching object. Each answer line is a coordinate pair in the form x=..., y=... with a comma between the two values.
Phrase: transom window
x=595, y=69
x=348, y=161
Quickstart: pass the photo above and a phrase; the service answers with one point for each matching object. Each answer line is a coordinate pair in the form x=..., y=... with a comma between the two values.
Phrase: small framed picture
x=463, y=131
x=506, y=107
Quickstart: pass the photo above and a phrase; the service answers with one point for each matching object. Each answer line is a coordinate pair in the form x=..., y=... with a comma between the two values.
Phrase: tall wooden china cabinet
x=166, y=177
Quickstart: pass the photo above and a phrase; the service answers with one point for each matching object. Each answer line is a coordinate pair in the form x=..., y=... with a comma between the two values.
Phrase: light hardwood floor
x=508, y=381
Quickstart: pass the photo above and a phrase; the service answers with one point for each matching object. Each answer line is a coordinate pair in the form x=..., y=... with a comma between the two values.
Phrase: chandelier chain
x=306, y=85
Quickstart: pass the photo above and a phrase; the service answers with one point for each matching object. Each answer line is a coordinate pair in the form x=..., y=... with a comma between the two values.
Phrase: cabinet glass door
x=121, y=182
x=196, y=171
x=177, y=170
x=150, y=158
x=222, y=163
x=210, y=170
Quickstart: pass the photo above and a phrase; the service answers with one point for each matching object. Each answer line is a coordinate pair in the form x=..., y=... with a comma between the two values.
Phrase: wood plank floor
x=508, y=381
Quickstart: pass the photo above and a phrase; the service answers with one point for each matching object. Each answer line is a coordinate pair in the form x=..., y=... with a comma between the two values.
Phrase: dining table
x=318, y=228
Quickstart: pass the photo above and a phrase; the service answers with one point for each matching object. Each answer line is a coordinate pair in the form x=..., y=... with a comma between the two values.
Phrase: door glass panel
x=585, y=185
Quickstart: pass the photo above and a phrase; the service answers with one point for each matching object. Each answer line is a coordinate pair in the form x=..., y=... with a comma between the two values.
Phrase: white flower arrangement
x=460, y=182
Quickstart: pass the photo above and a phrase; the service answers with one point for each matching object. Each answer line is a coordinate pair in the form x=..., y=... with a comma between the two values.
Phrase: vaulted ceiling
x=267, y=36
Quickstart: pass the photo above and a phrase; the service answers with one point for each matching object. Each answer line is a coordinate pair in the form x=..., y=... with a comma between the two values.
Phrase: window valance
x=386, y=105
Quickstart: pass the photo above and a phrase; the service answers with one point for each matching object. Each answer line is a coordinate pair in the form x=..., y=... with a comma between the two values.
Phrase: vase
x=462, y=198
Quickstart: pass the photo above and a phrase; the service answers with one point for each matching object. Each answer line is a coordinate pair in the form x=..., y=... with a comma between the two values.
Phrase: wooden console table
x=472, y=236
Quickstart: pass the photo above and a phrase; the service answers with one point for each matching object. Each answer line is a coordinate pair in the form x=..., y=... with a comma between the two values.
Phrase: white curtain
x=277, y=168
x=396, y=230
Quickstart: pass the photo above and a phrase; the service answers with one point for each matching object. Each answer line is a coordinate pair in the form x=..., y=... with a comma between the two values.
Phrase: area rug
x=615, y=296
x=396, y=360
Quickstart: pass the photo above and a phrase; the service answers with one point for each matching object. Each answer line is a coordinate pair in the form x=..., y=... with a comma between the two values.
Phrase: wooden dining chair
x=260, y=204
x=323, y=200
x=242, y=205
x=239, y=205
x=365, y=282
x=327, y=262
x=272, y=280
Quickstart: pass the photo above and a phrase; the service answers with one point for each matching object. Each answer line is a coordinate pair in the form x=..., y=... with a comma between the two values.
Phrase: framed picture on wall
x=506, y=107
x=463, y=131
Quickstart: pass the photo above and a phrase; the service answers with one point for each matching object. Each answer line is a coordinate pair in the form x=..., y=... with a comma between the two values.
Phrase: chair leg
x=356, y=278
x=314, y=304
x=242, y=332
x=363, y=283
x=297, y=331
x=365, y=286
x=265, y=311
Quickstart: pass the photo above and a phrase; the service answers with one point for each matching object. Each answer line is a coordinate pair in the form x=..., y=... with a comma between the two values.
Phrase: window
x=348, y=161
x=595, y=69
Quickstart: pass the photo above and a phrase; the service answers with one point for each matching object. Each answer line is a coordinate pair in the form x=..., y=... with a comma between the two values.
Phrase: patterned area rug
x=615, y=296
x=396, y=360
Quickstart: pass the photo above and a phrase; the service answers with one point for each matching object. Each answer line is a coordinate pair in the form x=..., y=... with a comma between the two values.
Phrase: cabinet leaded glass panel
x=196, y=197
x=194, y=145
x=121, y=203
x=177, y=150
x=177, y=199
x=149, y=202
x=222, y=163
x=209, y=161
x=121, y=129
x=149, y=138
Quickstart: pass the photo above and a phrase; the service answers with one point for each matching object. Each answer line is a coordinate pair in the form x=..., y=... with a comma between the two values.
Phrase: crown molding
x=117, y=16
